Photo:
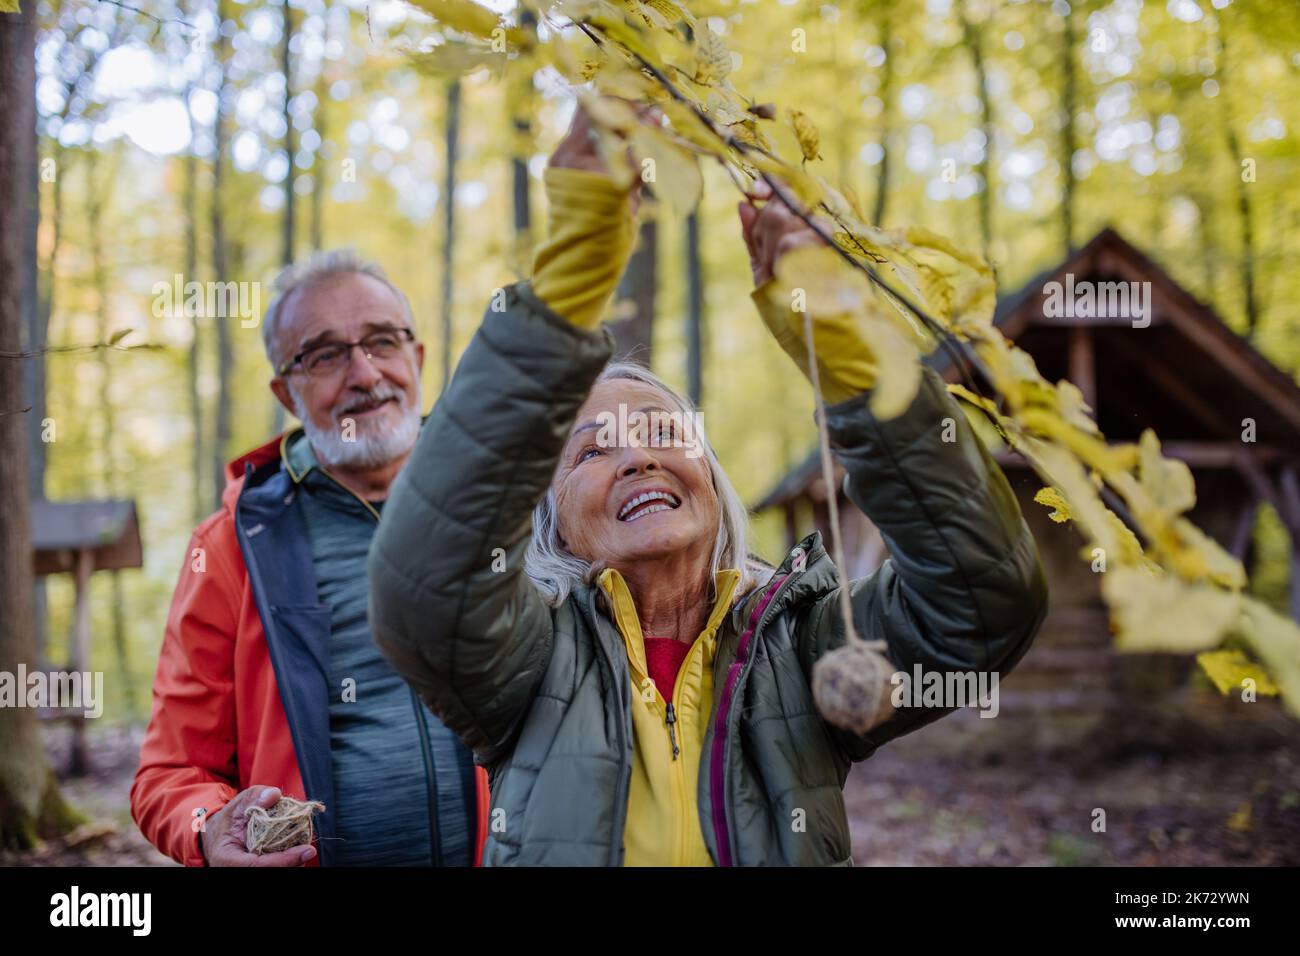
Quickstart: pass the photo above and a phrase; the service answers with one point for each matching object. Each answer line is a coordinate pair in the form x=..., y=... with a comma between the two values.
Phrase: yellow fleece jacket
x=663, y=819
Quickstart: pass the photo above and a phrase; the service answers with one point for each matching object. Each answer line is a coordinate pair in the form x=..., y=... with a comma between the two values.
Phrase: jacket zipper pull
x=671, y=719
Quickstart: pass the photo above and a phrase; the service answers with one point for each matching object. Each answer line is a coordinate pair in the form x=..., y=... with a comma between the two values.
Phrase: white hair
x=303, y=275
x=556, y=571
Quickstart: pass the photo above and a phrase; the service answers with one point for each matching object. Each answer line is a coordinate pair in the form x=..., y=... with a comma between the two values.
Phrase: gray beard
x=366, y=449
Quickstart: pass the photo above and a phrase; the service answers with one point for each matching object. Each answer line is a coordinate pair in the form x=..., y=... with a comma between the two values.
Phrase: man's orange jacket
x=236, y=703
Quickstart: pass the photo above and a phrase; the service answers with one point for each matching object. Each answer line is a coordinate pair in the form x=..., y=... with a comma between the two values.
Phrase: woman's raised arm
x=450, y=604
x=964, y=589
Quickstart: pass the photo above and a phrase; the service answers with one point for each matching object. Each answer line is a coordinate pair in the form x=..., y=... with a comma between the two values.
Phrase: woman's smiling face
x=644, y=495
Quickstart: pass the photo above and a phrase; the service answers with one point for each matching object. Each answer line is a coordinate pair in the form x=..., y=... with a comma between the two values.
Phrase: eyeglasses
x=330, y=357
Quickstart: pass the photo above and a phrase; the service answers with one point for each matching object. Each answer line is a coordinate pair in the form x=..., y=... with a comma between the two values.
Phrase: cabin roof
x=1187, y=375
x=108, y=529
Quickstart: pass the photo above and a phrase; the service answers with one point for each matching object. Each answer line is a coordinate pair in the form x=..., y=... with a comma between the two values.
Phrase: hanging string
x=851, y=684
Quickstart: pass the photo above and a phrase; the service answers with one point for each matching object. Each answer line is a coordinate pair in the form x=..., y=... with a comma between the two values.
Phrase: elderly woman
x=582, y=610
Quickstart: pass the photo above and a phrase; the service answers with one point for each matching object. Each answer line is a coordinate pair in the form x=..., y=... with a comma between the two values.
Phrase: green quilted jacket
x=542, y=695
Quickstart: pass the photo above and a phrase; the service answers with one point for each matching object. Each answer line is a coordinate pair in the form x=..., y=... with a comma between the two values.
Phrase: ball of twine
x=851, y=686
x=285, y=825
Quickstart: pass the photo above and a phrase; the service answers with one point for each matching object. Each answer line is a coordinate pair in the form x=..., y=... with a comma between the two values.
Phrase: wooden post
x=1083, y=366
x=79, y=654
x=1243, y=532
x=1289, y=486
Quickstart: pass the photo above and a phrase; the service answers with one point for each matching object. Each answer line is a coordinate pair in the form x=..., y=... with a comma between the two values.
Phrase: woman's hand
x=578, y=150
x=846, y=363
x=772, y=230
x=591, y=228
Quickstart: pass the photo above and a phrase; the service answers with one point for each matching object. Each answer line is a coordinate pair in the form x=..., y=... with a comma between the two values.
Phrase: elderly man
x=269, y=682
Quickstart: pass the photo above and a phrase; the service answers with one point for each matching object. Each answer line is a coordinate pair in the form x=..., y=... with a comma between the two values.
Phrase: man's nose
x=362, y=371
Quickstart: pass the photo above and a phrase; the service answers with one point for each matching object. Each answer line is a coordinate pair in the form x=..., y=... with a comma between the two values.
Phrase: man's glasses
x=327, y=358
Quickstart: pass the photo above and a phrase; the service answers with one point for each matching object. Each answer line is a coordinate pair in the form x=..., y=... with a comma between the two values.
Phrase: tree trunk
x=1069, y=100
x=694, y=311
x=96, y=197
x=290, y=151
x=1245, y=212
x=37, y=324
x=225, y=354
x=449, y=225
x=521, y=104
x=974, y=45
x=190, y=201
x=318, y=123
x=31, y=806
x=634, y=335
x=886, y=113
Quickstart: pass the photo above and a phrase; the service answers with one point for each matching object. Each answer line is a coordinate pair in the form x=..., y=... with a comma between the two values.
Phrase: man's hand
x=223, y=835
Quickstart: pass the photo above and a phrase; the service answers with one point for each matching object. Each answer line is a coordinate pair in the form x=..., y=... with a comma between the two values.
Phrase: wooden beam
x=1220, y=454
x=79, y=653
x=1241, y=534
x=1197, y=454
x=1289, y=488
x=1083, y=364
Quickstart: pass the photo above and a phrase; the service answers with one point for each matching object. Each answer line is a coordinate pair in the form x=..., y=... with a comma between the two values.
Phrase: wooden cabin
x=1201, y=388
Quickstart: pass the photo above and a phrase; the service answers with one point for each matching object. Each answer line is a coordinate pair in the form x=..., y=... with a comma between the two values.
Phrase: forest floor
x=1182, y=802
x=913, y=804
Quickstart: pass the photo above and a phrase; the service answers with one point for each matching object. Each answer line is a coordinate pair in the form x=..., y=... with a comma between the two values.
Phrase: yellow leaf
x=1229, y=668
x=1090, y=515
x=1240, y=821
x=674, y=174
x=449, y=60
x=806, y=133
x=749, y=134
x=979, y=401
x=461, y=15
x=662, y=14
x=1052, y=498
x=828, y=285
x=712, y=58
x=1167, y=480
x=1073, y=408
x=897, y=371
x=1160, y=612
x=9, y=6
x=687, y=124
x=1275, y=642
